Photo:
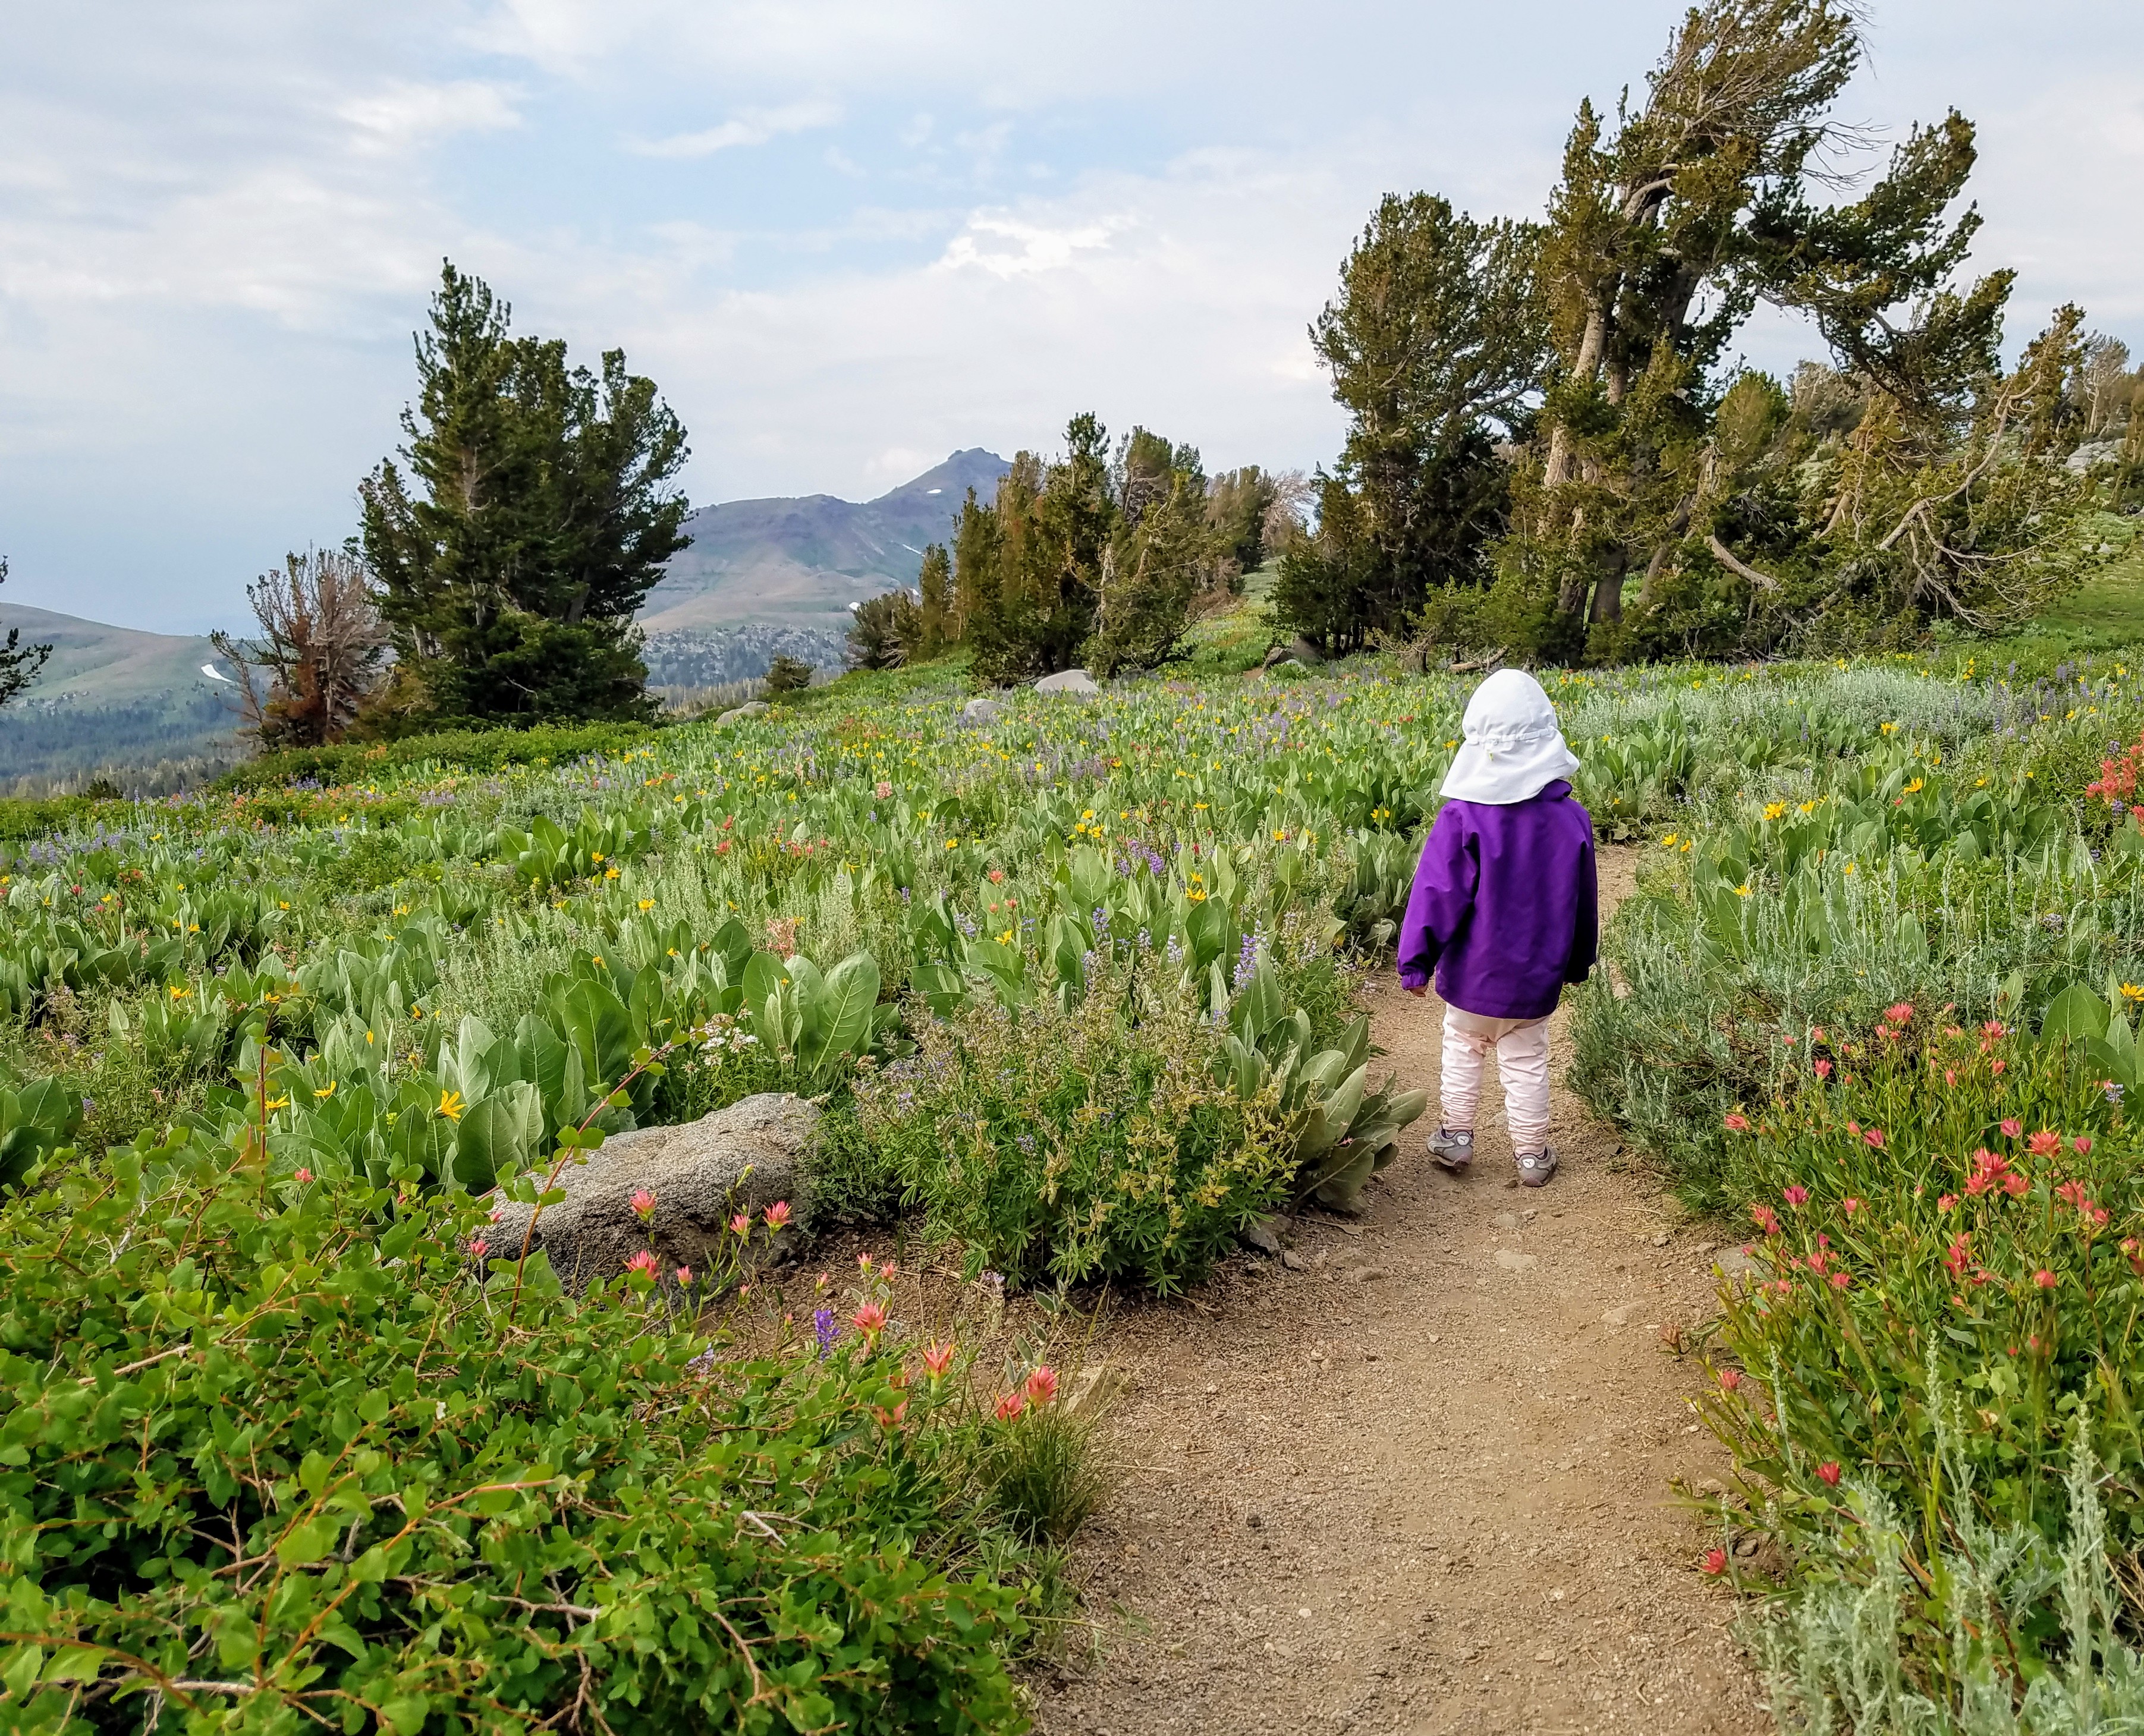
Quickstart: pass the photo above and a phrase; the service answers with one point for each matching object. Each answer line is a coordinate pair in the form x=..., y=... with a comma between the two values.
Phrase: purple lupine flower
x=825, y=1329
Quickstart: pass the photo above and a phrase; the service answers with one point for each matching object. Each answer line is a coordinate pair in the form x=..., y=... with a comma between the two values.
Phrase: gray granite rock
x=743, y=1158
x=1068, y=681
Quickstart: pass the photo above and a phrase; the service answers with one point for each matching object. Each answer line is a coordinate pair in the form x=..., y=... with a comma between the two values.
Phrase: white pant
x=1521, y=1046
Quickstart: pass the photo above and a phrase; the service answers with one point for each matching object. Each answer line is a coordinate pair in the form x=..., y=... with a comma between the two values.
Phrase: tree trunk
x=1587, y=365
x=1608, y=589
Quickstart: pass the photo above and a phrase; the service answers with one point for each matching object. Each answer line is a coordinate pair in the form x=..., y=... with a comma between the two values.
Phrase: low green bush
x=275, y=1455
x=1090, y=1142
x=471, y=750
x=25, y=818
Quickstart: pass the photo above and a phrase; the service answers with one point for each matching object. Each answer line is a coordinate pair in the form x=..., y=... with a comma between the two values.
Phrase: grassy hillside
x=110, y=696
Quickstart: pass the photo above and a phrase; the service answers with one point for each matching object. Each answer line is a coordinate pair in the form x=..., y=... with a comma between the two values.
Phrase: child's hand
x=1417, y=990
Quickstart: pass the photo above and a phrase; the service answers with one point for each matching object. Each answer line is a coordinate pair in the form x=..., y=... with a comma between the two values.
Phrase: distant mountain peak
x=808, y=559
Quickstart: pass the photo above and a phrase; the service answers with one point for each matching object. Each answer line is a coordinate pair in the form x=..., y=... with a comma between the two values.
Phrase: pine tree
x=1027, y=567
x=1747, y=524
x=1083, y=559
x=1238, y=504
x=1434, y=344
x=884, y=631
x=1327, y=577
x=936, y=624
x=536, y=516
x=1151, y=572
x=786, y=675
x=976, y=545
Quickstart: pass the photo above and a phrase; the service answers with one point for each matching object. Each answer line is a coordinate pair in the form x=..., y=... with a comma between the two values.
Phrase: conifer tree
x=535, y=517
x=1434, y=344
x=1084, y=557
x=936, y=624
x=1745, y=525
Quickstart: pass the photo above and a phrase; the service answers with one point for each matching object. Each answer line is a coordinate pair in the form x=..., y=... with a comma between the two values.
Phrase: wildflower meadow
x=293, y=1434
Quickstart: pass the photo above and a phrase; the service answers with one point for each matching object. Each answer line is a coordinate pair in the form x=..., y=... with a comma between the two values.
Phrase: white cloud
x=1006, y=248
x=895, y=464
x=752, y=127
x=406, y=116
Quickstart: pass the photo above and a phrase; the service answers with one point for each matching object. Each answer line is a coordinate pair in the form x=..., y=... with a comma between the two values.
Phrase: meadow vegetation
x=1074, y=985
x=286, y=1440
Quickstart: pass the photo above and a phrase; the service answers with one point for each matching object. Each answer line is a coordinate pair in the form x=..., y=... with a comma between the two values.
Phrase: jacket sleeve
x=1444, y=881
x=1585, y=939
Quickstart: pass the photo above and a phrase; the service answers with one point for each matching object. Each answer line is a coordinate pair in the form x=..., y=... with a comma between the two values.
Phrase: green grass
x=2112, y=605
x=2104, y=617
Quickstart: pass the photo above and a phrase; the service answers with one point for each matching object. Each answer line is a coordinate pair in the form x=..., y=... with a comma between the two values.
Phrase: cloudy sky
x=844, y=236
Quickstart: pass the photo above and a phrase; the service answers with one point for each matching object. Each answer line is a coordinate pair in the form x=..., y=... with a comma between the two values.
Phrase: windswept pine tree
x=534, y=516
x=1084, y=560
x=1649, y=496
x=1434, y=344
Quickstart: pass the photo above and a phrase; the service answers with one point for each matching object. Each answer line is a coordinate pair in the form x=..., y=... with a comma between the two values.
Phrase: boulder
x=1068, y=681
x=2086, y=457
x=755, y=708
x=1298, y=650
x=979, y=713
x=743, y=1158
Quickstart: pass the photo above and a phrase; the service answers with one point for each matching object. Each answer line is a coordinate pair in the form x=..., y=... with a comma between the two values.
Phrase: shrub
x=1832, y=1658
x=23, y=818
x=1091, y=1143
x=472, y=750
x=279, y=1455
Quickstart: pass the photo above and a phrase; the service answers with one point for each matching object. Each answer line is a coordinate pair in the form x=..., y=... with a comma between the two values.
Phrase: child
x=1504, y=912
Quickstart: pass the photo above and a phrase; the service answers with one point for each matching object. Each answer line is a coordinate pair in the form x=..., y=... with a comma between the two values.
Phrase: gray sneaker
x=1536, y=1167
x=1452, y=1152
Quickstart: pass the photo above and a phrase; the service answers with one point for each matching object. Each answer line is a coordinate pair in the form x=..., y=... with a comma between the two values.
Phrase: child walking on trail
x=1504, y=912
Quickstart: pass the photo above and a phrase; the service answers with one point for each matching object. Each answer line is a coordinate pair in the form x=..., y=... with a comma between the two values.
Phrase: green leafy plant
x=1087, y=1144
x=1342, y=1131
x=279, y=1454
x=36, y=1121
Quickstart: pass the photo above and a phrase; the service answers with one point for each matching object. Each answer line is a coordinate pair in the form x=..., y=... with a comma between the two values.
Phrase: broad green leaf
x=2075, y=1012
x=843, y=1014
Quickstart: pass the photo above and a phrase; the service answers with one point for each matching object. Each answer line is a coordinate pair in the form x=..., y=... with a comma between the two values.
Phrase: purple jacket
x=1505, y=906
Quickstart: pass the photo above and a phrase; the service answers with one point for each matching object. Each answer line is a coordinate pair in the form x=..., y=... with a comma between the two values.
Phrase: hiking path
x=1414, y=1476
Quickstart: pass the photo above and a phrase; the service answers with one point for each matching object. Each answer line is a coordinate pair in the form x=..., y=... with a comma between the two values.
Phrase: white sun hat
x=1513, y=749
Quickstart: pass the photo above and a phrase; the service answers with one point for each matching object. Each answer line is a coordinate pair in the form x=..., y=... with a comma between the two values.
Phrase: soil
x=1415, y=1476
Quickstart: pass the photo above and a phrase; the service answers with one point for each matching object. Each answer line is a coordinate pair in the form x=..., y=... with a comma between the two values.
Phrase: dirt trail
x=1415, y=1477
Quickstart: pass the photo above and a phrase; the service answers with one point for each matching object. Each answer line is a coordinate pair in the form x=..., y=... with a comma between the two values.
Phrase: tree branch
x=1721, y=553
